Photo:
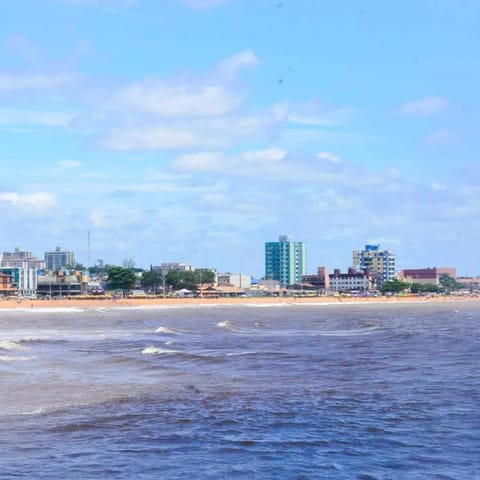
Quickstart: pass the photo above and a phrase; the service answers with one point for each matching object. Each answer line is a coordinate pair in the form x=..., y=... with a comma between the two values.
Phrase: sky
x=196, y=130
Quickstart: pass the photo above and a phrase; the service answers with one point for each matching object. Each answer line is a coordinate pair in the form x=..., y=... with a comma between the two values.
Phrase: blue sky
x=196, y=130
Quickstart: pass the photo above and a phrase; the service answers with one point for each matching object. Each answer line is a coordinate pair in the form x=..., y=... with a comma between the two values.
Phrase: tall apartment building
x=22, y=259
x=59, y=259
x=285, y=261
x=381, y=262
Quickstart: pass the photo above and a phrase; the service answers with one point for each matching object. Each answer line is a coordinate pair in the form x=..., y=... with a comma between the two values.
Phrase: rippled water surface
x=297, y=392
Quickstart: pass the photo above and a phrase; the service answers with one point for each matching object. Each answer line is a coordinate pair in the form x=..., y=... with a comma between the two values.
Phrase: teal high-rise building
x=285, y=261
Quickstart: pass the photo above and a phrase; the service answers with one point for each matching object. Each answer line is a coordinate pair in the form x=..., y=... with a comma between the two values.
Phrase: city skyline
x=283, y=259
x=216, y=125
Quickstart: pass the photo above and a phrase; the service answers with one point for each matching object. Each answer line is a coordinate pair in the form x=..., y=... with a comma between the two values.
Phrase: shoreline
x=126, y=303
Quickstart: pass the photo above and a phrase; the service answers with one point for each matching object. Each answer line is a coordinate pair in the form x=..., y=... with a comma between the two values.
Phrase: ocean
x=249, y=392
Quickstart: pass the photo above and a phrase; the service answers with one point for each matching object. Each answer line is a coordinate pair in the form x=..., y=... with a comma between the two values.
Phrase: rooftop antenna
x=89, y=250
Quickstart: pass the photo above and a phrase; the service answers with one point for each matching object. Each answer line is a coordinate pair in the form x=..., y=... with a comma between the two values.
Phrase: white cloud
x=444, y=136
x=191, y=133
x=438, y=187
x=199, y=162
x=204, y=4
x=231, y=66
x=105, y=219
x=330, y=157
x=424, y=106
x=155, y=97
x=10, y=82
x=269, y=155
x=158, y=138
x=30, y=202
x=316, y=113
x=18, y=116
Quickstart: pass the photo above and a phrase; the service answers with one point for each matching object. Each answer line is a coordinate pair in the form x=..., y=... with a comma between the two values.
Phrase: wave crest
x=156, y=350
x=9, y=345
x=165, y=331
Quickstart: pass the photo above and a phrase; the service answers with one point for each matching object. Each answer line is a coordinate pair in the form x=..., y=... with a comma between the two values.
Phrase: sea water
x=293, y=392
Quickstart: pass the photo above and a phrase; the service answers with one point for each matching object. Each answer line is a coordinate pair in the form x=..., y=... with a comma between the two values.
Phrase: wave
x=226, y=324
x=156, y=351
x=165, y=331
x=6, y=358
x=41, y=310
x=348, y=333
x=9, y=345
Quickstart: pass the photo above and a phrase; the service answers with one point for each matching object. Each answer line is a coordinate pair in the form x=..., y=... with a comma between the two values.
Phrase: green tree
x=178, y=280
x=151, y=279
x=205, y=275
x=424, y=288
x=189, y=280
x=395, y=286
x=449, y=283
x=120, y=278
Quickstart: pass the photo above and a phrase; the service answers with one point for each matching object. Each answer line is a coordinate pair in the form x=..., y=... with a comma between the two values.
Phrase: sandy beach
x=153, y=302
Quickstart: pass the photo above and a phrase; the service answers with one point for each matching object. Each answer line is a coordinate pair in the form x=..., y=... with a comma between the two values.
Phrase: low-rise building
x=426, y=275
x=7, y=285
x=319, y=281
x=62, y=285
x=352, y=281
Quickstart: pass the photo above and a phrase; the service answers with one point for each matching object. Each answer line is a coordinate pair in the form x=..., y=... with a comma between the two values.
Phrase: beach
x=178, y=302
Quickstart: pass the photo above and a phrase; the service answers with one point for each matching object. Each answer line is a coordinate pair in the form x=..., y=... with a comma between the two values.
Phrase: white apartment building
x=239, y=280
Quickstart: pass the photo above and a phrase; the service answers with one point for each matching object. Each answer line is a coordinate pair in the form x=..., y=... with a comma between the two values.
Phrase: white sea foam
x=44, y=310
x=170, y=342
x=225, y=324
x=165, y=331
x=348, y=333
x=6, y=358
x=241, y=354
x=156, y=350
x=9, y=345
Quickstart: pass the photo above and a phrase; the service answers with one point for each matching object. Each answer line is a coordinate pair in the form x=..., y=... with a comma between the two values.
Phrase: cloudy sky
x=196, y=130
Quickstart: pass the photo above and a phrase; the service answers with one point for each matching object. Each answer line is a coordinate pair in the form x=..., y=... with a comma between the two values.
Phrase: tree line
x=125, y=279
x=447, y=284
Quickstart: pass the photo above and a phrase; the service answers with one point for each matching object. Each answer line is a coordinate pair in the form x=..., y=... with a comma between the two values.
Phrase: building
x=59, y=259
x=238, y=280
x=470, y=283
x=7, y=284
x=22, y=279
x=22, y=259
x=380, y=262
x=61, y=285
x=426, y=275
x=164, y=268
x=320, y=280
x=352, y=281
x=285, y=261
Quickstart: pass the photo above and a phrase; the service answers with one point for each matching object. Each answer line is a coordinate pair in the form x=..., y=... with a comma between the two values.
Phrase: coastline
x=120, y=303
